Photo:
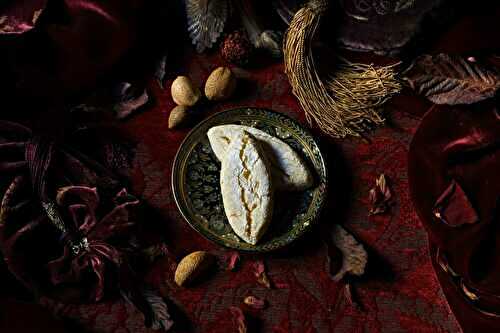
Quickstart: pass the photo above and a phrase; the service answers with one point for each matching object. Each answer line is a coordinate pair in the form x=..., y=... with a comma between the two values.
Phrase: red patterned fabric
x=399, y=291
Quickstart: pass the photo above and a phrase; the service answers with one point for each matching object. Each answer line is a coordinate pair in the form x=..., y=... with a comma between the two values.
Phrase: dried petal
x=380, y=196
x=255, y=302
x=232, y=258
x=446, y=79
x=128, y=99
x=227, y=260
x=239, y=319
x=155, y=251
x=354, y=256
x=261, y=275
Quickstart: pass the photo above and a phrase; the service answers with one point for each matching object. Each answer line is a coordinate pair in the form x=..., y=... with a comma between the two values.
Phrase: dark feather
x=206, y=20
x=451, y=79
x=152, y=306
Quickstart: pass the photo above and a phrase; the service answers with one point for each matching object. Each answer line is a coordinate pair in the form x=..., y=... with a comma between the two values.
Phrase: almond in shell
x=178, y=116
x=191, y=266
x=220, y=84
x=184, y=92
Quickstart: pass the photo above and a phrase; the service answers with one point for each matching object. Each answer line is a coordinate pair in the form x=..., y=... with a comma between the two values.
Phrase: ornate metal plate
x=195, y=182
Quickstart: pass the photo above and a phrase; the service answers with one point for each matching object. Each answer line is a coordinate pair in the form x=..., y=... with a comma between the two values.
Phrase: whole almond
x=191, y=266
x=184, y=92
x=178, y=116
x=220, y=84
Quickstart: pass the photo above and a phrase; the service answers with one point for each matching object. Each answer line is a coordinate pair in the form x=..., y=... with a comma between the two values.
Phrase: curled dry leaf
x=239, y=319
x=255, y=302
x=447, y=79
x=260, y=274
x=380, y=196
x=354, y=256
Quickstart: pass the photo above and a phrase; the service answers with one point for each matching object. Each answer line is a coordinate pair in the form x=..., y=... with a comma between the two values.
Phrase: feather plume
x=206, y=20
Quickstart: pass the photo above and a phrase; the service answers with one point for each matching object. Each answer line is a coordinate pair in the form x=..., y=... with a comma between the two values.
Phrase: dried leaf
x=128, y=99
x=239, y=318
x=255, y=302
x=261, y=275
x=447, y=79
x=380, y=196
x=161, y=69
x=354, y=256
x=206, y=20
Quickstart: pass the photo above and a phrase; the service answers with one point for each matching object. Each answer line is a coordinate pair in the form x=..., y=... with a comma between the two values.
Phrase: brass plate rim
x=183, y=209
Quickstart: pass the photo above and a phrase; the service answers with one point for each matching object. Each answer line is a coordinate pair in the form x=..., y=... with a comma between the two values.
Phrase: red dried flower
x=236, y=48
x=260, y=274
x=380, y=196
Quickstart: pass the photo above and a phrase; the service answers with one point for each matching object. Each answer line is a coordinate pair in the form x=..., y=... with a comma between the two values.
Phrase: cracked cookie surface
x=288, y=169
x=246, y=188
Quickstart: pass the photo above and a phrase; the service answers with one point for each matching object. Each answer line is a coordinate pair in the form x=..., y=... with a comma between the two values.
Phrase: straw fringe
x=348, y=103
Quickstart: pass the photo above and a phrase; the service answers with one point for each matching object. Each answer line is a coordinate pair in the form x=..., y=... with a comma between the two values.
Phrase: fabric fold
x=453, y=167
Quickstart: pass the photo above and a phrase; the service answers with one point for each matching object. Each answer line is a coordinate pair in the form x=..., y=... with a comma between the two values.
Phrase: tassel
x=347, y=104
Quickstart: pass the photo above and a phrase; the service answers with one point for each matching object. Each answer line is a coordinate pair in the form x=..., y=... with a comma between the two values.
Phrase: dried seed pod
x=184, y=92
x=192, y=266
x=237, y=49
x=220, y=84
x=178, y=116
